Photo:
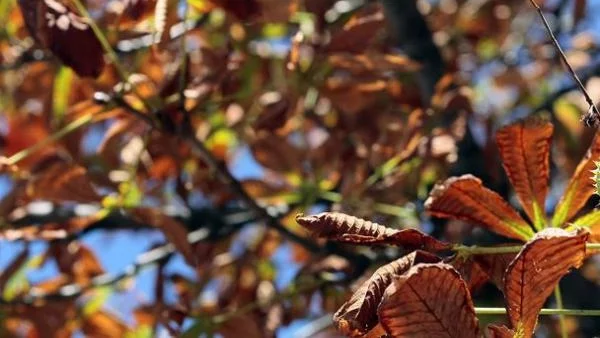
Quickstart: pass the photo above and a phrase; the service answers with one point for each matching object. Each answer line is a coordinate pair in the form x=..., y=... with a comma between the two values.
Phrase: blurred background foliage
x=159, y=197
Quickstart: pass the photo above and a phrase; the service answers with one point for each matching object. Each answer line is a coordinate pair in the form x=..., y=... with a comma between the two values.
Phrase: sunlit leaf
x=580, y=187
x=500, y=331
x=359, y=314
x=525, y=148
x=590, y=221
x=536, y=271
x=465, y=198
x=429, y=300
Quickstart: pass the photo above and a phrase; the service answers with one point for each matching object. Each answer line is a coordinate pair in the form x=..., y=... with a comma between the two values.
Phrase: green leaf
x=60, y=93
x=18, y=282
x=95, y=304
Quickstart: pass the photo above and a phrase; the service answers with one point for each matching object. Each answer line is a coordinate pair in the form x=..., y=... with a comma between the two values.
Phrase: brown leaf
x=430, y=300
x=495, y=266
x=499, y=331
x=243, y=10
x=525, y=148
x=61, y=181
x=243, y=326
x=466, y=199
x=367, y=63
x=276, y=153
x=580, y=187
x=344, y=228
x=535, y=272
x=174, y=231
x=56, y=26
x=359, y=314
x=274, y=112
x=75, y=260
x=358, y=32
x=471, y=272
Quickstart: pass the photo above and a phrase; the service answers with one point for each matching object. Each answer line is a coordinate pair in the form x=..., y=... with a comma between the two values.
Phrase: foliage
x=198, y=129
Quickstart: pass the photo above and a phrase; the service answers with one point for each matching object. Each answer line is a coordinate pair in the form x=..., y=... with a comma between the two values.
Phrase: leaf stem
x=483, y=250
x=564, y=312
x=592, y=119
x=561, y=318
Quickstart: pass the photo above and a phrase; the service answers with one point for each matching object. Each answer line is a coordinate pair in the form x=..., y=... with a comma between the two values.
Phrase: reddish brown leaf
x=466, y=199
x=174, y=231
x=430, y=300
x=535, y=272
x=499, y=331
x=61, y=181
x=274, y=112
x=359, y=314
x=55, y=26
x=276, y=153
x=495, y=266
x=344, y=228
x=242, y=10
x=358, y=32
x=580, y=187
x=243, y=326
x=525, y=148
x=471, y=272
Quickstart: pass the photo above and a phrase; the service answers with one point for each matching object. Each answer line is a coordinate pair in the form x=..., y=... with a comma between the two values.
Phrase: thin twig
x=592, y=117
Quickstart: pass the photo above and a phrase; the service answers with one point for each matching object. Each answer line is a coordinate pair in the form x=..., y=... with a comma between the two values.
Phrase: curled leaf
x=495, y=266
x=525, y=147
x=466, y=199
x=580, y=187
x=430, y=300
x=536, y=271
x=359, y=314
x=345, y=228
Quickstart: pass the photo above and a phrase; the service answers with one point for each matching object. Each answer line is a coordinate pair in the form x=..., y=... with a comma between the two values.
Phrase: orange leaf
x=174, y=231
x=103, y=324
x=358, y=32
x=580, y=187
x=525, y=147
x=429, y=300
x=535, y=272
x=349, y=229
x=359, y=314
x=466, y=199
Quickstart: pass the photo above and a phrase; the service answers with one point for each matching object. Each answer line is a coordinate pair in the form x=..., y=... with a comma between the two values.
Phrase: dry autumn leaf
x=499, y=331
x=55, y=26
x=60, y=181
x=429, y=300
x=359, y=314
x=535, y=272
x=525, y=147
x=465, y=198
x=174, y=231
x=349, y=229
